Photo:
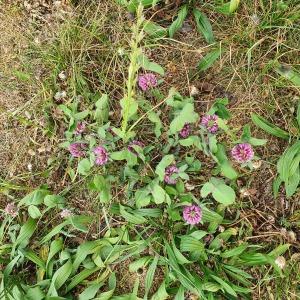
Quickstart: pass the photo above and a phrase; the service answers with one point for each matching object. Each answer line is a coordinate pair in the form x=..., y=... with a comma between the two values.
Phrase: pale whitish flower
x=66, y=213
x=121, y=51
x=255, y=19
x=60, y=95
x=256, y=164
x=280, y=262
x=11, y=209
x=244, y=192
x=194, y=91
x=62, y=75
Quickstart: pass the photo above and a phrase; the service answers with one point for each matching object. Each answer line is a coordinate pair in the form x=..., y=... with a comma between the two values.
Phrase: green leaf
x=269, y=127
x=148, y=65
x=81, y=222
x=289, y=73
x=235, y=251
x=191, y=244
x=82, y=252
x=208, y=60
x=160, y=168
x=234, y=4
x=161, y=293
x=90, y=292
x=131, y=218
x=84, y=166
x=139, y=264
x=102, y=109
x=186, y=115
x=133, y=4
x=78, y=278
x=142, y=198
x=34, y=198
x=159, y=194
x=225, y=285
x=81, y=115
x=211, y=287
x=56, y=230
x=29, y=254
x=204, y=26
x=298, y=114
x=154, y=118
x=53, y=200
x=178, y=22
x=35, y=293
x=150, y=276
x=180, y=293
x=279, y=250
x=34, y=212
x=62, y=275
x=155, y=30
x=26, y=231
x=226, y=168
x=55, y=247
x=181, y=259
x=220, y=191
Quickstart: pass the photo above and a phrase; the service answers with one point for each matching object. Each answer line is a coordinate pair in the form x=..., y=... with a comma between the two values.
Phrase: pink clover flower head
x=210, y=123
x=135, y=143
x=185, y=131
x=192, y=214
x=242, y=153
x=77, y=149
x=80, y=128
x=169, y=171
x=66, y=213
x=11, y=209
x=147, y=81
x=101, y=156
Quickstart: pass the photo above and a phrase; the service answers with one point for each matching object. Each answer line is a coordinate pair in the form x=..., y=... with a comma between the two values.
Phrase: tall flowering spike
x=210, y=122
x=147, y=81
x=77, y=149
x=171, y=170
x=192, y=214
x=80, y=128
x=11, y=210
x=135, y=143
x=65, y=213
x=242, y=153
x=185, y=131
x=101, y=156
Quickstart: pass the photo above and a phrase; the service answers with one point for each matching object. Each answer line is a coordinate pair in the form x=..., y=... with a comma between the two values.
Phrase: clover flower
x=101, y=156
x=80, y=128
x=77, y=149
x=147, y=81
x=169, y=171
x=135, y=143
x=242, y=153
x=185, y=131
x=210, y=123
x=11, y=210
x=65, y=213
x=192, y=214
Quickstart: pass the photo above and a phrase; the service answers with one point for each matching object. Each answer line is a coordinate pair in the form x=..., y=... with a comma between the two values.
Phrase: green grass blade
x=267, y=126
